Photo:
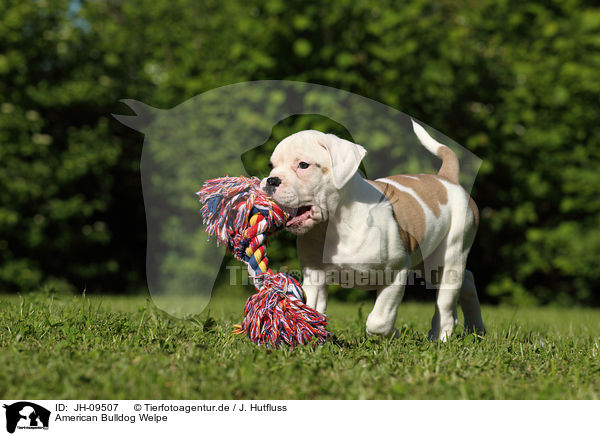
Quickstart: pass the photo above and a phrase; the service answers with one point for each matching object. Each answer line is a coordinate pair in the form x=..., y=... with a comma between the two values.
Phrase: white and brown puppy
x=358, y=228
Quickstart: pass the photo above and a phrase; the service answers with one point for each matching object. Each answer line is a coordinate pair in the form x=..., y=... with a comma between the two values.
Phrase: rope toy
x=241, y=216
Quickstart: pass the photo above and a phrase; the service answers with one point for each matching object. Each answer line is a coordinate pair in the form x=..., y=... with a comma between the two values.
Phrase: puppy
x=372, y=233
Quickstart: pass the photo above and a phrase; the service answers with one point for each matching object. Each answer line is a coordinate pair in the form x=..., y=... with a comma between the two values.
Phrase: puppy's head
x=308, y=170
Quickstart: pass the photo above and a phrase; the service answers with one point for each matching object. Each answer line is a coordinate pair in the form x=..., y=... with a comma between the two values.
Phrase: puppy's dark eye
x=303, y=165
x=271, y=165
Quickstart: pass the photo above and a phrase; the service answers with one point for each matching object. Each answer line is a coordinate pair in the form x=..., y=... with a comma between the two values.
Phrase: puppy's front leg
x=315, y=288
x=382, y=319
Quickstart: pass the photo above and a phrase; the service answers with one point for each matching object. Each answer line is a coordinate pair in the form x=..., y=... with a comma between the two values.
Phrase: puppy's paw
x=433, y=335
x=381, y=327
x=440, y=334
x=475, y=327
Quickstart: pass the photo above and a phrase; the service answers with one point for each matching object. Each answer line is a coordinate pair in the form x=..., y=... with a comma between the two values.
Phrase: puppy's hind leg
x=469, y=303
x=440, y=271
x=450, y=258
x=445, y=317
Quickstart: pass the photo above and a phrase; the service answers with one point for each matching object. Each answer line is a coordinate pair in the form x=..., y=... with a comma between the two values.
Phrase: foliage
x=515, y=82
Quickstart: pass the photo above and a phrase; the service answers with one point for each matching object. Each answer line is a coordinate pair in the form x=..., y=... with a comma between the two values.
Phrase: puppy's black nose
x=273, y=181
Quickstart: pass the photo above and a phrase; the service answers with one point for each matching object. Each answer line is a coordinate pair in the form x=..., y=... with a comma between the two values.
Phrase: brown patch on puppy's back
x=408, y=214
x=428, y=187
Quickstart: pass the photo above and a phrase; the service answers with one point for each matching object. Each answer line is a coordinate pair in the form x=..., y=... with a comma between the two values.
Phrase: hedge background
x=515, y=82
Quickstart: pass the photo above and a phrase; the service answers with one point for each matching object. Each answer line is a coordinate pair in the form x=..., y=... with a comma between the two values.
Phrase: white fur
x=351, y=231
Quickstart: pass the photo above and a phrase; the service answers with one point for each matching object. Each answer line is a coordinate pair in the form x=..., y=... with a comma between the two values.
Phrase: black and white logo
x=26, y=415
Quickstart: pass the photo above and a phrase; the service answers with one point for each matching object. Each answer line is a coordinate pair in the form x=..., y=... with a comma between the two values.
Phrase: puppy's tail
x=450, y=167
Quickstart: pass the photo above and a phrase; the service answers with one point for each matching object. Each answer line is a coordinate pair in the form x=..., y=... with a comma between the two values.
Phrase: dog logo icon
x=26, y=415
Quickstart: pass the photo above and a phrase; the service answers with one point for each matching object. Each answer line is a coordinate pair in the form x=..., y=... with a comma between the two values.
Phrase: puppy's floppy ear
x=345, y=158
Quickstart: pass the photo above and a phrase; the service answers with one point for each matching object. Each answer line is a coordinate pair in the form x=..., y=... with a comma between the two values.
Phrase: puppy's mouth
x=298, y=216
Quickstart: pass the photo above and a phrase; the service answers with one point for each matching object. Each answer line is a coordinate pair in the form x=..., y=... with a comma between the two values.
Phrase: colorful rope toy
x=240, y=215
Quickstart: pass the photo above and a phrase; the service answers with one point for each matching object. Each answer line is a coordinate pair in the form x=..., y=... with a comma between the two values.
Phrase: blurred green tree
x=515, y=82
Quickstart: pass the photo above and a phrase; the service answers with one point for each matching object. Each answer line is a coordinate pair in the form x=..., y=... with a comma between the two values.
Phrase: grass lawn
x=124, y=348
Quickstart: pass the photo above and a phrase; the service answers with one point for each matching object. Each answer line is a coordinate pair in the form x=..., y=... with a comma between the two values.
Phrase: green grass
x=122, y=347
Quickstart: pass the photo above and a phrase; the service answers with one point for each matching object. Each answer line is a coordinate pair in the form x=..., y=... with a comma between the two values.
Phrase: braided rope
x=255, y=241
x=241, y=216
